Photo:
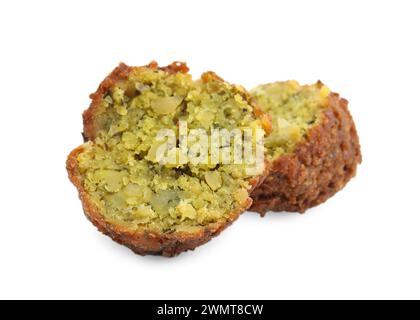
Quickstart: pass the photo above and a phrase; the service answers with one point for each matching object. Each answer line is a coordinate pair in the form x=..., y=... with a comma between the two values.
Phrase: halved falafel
x=313, y=149
x=126, y=190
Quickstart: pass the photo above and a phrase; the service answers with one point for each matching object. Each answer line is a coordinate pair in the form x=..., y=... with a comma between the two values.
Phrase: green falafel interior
x=120, y=168
x=294, y=110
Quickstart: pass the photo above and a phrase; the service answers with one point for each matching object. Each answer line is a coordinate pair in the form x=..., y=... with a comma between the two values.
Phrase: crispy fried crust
x=321, y=165
x=145, y=242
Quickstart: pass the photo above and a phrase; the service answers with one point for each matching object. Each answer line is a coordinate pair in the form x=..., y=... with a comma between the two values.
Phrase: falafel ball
x=313, y=149
x=127, y=192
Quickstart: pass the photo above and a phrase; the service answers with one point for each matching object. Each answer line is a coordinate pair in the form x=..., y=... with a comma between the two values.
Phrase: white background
x=363, y=243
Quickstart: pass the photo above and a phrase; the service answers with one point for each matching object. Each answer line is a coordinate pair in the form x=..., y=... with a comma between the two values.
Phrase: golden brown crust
x=145, y=242
x=320, y=166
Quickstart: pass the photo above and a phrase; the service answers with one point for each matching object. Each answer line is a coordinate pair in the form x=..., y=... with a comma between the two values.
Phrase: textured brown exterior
x=321, y=165
x=145, y=242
